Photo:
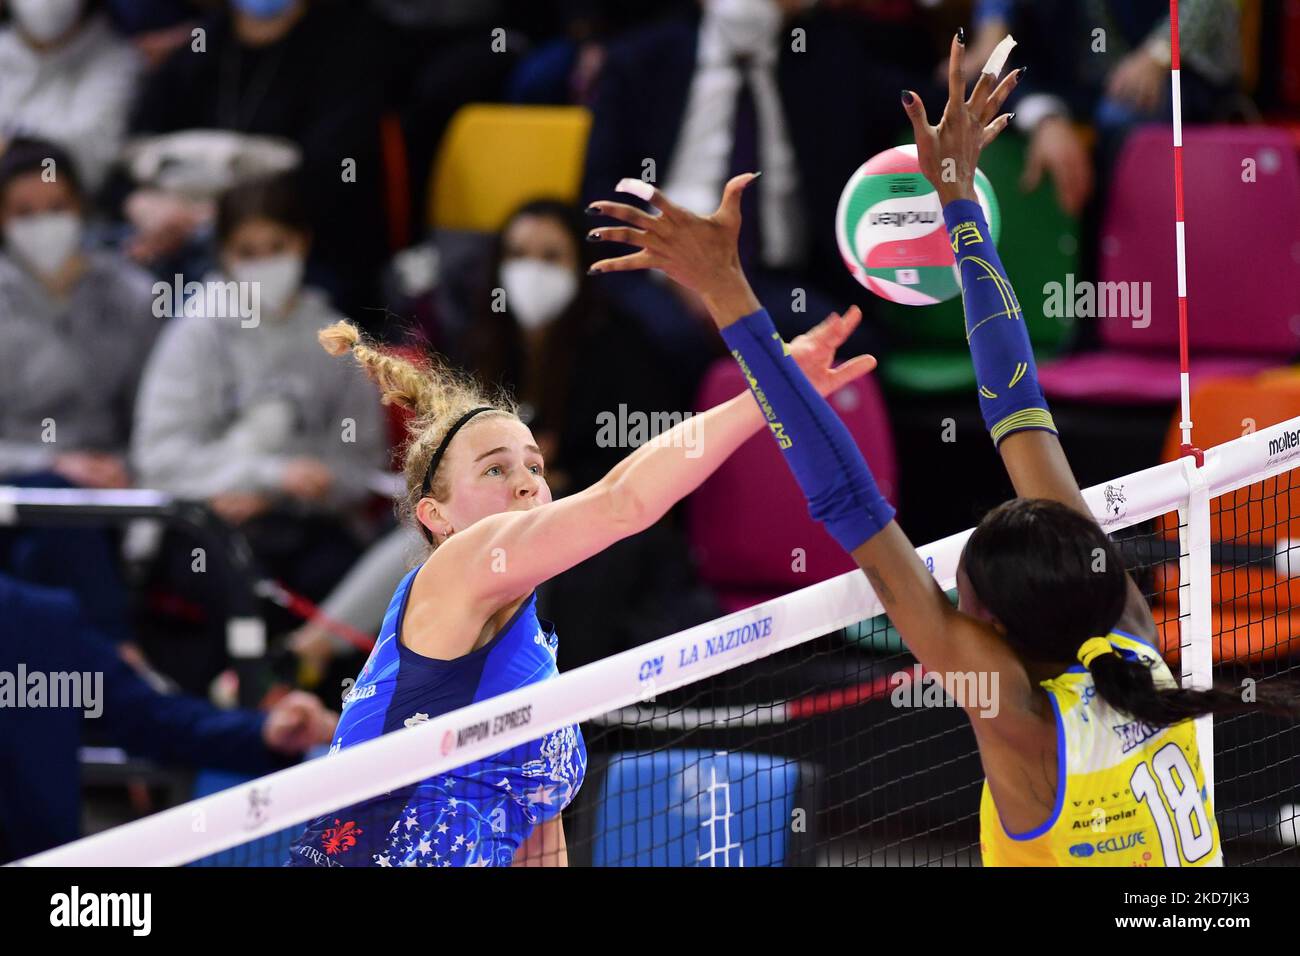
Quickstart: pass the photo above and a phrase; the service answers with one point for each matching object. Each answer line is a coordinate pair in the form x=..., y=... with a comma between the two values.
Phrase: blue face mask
x=263, y=9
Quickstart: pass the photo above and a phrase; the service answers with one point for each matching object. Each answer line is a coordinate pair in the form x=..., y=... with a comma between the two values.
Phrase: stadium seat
x=1252, y=603
x=1241, y=266
x=1039, y=244
x=493, y=158
x=749, y=520
x=699, y=808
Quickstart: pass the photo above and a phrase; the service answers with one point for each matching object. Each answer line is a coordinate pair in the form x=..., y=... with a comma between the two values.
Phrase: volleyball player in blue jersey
x=463, y=625
x=1088, y=751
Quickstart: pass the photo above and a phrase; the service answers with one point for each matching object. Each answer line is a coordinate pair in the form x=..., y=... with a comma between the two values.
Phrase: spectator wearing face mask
x=76, y=325
x=545, y=329
x=308, y=71
x=66, y=77
x=585, y=373
x=578, y=367
x=240, y=407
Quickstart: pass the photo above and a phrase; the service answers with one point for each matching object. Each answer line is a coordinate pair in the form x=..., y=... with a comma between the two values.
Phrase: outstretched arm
x=523, y=548
x=1011, y=400
x=823, y=457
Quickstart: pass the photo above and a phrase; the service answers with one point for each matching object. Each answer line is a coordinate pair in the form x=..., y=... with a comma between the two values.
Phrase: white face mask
x=536, y=291
x=44, y=242
x=45, y=20
x=276, y=279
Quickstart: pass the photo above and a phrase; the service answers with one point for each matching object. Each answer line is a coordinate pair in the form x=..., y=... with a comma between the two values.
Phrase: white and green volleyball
x=891, y=233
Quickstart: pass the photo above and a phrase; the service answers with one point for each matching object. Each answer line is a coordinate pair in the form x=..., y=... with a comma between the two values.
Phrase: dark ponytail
x=1053, y=579
x=1129, y=687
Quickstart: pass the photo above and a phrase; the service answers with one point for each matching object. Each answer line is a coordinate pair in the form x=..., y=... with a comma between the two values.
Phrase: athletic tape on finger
x=998, y=58
x=637, y=187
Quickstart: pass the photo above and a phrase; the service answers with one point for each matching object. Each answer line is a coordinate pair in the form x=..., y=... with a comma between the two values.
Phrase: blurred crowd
x=284, y=145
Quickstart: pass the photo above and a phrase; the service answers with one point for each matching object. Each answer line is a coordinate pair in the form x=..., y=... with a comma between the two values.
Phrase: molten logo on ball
x=891, y=232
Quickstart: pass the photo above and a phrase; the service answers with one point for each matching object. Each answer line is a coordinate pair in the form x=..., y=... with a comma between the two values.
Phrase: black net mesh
x=1256, y=587
x=821, y=756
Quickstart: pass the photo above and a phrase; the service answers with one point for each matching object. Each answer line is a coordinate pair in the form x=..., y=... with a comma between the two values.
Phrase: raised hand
x=814, y=351
x=698, y=252
x=948, y=153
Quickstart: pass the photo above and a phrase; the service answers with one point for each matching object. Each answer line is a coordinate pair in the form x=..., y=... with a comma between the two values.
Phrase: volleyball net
x=800, y=732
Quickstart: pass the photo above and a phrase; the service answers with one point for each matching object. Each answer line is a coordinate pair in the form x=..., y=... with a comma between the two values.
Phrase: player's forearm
x=913, y=599
x=729, y=297
x=671, y=465
x=820, y=452
x=951, y=192
x=1009, y=394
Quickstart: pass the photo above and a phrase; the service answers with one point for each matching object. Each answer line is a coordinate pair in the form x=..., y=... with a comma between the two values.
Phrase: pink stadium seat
x=1134, y=377
x=1243, y=264
x=746, y=521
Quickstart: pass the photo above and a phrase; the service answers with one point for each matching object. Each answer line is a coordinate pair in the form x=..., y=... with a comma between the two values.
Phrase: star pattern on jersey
x=541, y=794
x=477, y=814
x=493, y=812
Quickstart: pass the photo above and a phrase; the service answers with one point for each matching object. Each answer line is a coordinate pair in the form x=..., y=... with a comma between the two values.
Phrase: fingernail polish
x=961, y=35
x=907, y=97
x=592, y=211
x=1021, y=74
x=593, y=271
x=757, y=174
x=1010, y=117
x=593, y=237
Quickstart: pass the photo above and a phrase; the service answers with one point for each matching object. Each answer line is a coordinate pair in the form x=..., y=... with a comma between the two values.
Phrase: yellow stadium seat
x=495, y=157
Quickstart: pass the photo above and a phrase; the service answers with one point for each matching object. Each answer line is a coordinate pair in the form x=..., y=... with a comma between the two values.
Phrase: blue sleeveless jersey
x=475, y=815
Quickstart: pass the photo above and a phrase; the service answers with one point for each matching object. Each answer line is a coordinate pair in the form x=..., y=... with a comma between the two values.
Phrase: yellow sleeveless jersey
x=1127, y=794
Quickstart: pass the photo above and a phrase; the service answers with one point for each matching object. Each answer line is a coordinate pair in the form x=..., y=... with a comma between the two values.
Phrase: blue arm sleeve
x=819, y=450
x=1009, y=394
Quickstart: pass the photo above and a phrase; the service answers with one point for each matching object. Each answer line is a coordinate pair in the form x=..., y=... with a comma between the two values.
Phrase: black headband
x=446, y=440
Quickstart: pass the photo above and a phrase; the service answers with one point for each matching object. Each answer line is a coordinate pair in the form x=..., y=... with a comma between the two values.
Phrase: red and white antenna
x=1186, y=448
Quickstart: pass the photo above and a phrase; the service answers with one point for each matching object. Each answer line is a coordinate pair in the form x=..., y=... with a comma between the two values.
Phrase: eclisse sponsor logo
x=1123, y=841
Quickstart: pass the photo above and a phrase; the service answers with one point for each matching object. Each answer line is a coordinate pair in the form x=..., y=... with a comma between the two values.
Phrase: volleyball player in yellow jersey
x=1088, y=748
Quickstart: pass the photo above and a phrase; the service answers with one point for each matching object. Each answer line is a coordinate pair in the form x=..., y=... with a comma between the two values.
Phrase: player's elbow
x=624, y=508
